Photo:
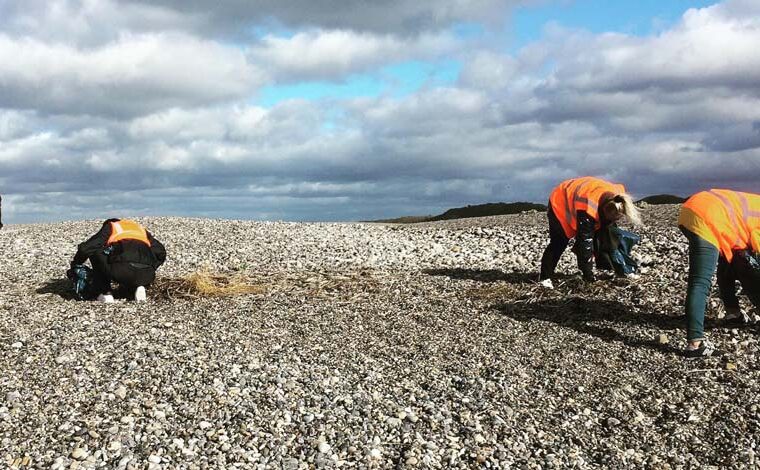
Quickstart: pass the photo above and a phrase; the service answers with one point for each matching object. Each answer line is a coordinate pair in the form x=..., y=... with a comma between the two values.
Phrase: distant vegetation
x=410, y=219
x=485, y=210
x=502, y=208
x=663, y=199
x=479, y=210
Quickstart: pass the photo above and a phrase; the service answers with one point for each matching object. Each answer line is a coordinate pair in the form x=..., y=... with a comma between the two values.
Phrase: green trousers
x=703, y=259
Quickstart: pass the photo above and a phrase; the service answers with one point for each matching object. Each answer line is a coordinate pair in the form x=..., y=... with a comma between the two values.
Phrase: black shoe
x=705, y=349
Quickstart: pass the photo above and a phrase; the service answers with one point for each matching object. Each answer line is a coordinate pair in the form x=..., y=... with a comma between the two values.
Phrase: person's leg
x=747, y=270
x=727, y=287
x=558, y=242
x=102, y=273
x=131, y=275
x=703, y=258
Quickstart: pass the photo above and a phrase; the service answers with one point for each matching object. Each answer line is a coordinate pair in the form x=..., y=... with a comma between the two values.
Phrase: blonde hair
x=623, y=204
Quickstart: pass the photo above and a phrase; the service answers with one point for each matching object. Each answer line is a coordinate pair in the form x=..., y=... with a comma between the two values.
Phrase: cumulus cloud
x=334, y=54
x=88, y=23
x=396, y=16
x=131, y=76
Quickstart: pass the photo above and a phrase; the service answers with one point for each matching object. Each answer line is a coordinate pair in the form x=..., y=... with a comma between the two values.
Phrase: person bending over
x=577, y=209
x=123, y=251
x=723, y=229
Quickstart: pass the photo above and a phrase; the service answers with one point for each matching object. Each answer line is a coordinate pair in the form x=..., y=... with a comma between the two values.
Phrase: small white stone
x=78, y=453
x=323, y=447
x=114, y=446
x=121, y=392
x=154, y=459
x=375, y=454
x=17, y=345
x=127, y=420
x=393, y=422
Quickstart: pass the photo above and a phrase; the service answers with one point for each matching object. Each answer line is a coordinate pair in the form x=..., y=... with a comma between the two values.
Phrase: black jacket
x=125, y=251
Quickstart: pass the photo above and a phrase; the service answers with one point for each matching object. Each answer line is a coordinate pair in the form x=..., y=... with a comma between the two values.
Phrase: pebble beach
x=369, y=346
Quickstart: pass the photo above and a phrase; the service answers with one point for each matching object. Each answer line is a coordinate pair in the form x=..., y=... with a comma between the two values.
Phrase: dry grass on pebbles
x=357, y=345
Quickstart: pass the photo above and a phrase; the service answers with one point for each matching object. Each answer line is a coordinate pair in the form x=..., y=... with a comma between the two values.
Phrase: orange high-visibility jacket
x=729, y=220
x=127, y=230
x=580, y=194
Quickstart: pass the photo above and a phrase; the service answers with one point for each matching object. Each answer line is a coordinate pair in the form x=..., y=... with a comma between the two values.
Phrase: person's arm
x=94, y=244
x=158, y=249
x=584, y=245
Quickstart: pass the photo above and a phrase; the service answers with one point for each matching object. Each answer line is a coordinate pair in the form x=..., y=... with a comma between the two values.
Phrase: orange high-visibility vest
x=127, y=230
x=730, y=220
x=580, y=194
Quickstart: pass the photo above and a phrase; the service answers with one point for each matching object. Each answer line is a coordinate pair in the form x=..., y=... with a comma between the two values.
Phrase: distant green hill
x=503, y=208
x=479, y=210
x=409, y=219
x=663, y=199
x=489, y=209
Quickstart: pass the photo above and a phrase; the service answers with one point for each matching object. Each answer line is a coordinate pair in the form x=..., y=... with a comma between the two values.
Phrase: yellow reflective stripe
x=730, y=208
x=746, y=211
x=593, y=205
x=569, y=207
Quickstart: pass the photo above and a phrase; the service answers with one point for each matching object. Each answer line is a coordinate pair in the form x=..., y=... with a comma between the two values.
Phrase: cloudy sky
x=357, y=109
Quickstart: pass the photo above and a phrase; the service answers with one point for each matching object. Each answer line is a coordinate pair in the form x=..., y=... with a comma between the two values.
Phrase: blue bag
x=612, y=250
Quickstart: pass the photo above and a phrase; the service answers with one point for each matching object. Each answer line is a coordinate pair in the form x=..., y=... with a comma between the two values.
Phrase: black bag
x=83, y=279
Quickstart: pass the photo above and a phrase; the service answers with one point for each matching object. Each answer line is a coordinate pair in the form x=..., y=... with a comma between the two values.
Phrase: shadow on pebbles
x=368, y=346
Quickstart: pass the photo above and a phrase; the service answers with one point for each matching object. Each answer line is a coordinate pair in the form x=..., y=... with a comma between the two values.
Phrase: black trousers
x=128, y=275
x=740, y=269
x=558, y=242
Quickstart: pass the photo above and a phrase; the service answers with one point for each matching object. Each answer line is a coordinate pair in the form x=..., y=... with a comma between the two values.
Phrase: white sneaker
x=547, y=283
x=140, y=294
x=107, y=298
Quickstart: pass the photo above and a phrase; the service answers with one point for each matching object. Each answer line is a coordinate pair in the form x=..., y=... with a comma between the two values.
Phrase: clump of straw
x=206, y=284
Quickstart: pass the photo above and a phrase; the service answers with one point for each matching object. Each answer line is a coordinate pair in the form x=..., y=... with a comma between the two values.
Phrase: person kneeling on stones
x=123, y=251
x=578, y=208
x=723, y=228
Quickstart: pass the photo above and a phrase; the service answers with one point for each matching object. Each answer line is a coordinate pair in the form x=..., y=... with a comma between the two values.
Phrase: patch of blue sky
x=353, y=87
x=639, y=18
x=409, y=77
x=397, y=81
